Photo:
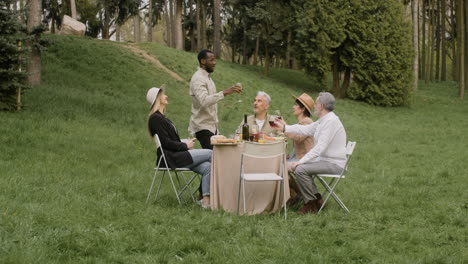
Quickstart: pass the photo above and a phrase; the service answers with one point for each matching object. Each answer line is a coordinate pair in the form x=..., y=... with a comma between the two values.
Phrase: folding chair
x=331, y=190
x=183, y=187
x=263, y=151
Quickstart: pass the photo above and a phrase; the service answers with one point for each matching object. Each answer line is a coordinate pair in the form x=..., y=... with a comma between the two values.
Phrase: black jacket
x=176, y=152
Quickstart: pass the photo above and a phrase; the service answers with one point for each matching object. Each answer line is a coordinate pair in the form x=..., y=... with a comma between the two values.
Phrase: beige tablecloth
x=261, y=197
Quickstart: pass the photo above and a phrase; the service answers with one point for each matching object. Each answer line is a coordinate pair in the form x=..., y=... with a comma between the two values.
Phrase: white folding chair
x=330, y=186
x=183, y=187
x=263, y=151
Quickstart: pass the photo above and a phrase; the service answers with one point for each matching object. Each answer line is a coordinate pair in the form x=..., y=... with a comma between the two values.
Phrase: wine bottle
x=245, y=129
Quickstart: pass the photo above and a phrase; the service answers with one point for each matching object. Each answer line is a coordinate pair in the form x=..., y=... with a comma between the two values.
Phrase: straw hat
x=306, y=100
x=152, y=94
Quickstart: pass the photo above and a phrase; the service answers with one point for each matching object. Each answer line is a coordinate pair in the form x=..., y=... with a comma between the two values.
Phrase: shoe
x=206, y=206
x=319, y=204
x=200, y=202
x=310, y=207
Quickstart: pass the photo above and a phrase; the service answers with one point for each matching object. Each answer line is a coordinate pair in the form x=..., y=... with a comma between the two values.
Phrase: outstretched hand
x=233, y=89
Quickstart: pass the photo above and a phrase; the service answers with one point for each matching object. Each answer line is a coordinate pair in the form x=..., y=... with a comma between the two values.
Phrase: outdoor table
x=261, y=197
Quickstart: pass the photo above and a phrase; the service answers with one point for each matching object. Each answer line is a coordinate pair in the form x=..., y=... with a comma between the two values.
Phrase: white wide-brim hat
x=152, y=94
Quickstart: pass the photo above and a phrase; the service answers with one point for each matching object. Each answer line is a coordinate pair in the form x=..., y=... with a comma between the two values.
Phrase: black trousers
x=204, y=136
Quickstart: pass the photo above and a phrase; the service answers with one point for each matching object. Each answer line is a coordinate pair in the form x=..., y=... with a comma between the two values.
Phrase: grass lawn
x=76, y=164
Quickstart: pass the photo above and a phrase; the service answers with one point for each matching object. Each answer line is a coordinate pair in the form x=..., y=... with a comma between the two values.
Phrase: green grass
x=76, y=163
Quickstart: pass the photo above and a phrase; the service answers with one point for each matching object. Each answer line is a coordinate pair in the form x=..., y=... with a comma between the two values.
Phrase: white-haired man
x=261, y=117
x=328, y=156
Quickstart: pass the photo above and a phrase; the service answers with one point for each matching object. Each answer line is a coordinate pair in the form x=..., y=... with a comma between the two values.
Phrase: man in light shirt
x=328, y=156
x=204, y=120
x=261, y=117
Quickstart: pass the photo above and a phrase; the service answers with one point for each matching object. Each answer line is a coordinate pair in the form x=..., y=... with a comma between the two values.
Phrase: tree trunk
x=178, y=26
x=233, y=55
x=193, y=45
x=136, y=28
x=73, y=9
x=149, y=34
x=34, y=63
x=168, y=26
x=106, y=24
x=199, y=22
x=438, y=37
x=415, y=43
x=423, y=44
x=244, y=48
x=203, y=25
x=454, y=43
x=432, y=32
x=346, y=82
x=443, y=74
x=461, y=47
x=117, y=26
x=336, y=76
x=288, y=50
x=117, y=32
x=257, y=47
x=52, y=26
x=172, y=23
x=217, y=28
x=267, y=56
x=22, y=12
x=465, y=44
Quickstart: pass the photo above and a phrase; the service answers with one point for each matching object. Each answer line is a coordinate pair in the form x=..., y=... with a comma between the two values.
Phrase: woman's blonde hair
x=156, y=107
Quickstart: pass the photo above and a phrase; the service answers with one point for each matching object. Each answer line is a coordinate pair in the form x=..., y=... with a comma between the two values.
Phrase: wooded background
x=374, y=51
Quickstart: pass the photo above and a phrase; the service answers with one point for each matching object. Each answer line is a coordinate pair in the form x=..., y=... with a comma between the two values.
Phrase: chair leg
x=331, y=191
x=243, y=195
x=238, y=196
x=152, y=184
x=174, y=187
x=187, y=186
x=284, y=200
x=159, y=185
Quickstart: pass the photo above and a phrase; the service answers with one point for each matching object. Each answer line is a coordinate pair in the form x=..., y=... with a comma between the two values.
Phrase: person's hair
x=268, y=98
x=203, y=54
x=301, y=105
x=328, y=100
x=156, y=107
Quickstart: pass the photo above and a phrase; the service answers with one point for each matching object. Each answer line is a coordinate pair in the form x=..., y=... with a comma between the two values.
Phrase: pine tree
x=12, y=81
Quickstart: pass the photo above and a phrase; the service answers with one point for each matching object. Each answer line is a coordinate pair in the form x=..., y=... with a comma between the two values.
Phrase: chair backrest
x=349, y=151
x=158, y=145
x=350, y=147
x=264, y=150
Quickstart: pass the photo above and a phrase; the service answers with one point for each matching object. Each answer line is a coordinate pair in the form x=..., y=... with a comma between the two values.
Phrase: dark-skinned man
x=204, y=119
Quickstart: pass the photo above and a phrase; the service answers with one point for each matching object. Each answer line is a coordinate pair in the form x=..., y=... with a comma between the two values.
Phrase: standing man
x=204, y=119
x=328, y=156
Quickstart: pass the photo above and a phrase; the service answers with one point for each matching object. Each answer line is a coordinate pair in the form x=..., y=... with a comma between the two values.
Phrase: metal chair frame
x=183, y=187
x=331, y=186
x=261, y=177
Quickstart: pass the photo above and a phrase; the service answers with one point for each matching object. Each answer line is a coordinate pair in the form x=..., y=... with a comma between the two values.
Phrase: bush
x=368, y=39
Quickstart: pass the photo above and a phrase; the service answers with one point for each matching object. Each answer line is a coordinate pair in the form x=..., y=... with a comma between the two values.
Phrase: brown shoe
x=319, y=204
x=310, y=207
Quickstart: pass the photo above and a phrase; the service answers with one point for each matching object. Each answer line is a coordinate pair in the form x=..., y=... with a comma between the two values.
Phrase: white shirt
x=329, y=140
x=204, y=102
x=260, y=123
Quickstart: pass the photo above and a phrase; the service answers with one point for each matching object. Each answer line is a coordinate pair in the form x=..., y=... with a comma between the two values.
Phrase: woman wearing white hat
x=178, y=154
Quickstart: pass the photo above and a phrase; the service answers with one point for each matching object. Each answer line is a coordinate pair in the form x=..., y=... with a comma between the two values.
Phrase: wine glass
x=278, y=114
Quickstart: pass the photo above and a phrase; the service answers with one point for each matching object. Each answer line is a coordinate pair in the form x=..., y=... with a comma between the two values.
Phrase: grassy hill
x=76, y=164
